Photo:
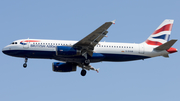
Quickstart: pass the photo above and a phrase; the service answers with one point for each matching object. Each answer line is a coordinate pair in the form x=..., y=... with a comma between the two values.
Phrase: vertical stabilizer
x=161, y=34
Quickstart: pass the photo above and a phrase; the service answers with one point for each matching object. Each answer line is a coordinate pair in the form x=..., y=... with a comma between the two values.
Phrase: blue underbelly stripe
x=97, y=57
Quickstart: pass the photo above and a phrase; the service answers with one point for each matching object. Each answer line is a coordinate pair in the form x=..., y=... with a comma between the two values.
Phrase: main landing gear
x=25, y=64
x=83, y=72
x=84, y=64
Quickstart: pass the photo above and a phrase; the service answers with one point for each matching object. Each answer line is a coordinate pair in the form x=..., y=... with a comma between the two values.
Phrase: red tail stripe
x=153, y=42
x=167, y=27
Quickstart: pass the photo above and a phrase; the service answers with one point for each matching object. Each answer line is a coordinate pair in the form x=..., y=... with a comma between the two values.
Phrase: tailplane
x=166, y=45
x=161, y=34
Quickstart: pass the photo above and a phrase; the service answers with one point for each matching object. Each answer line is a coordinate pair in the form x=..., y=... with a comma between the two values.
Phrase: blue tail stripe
x=160, y=37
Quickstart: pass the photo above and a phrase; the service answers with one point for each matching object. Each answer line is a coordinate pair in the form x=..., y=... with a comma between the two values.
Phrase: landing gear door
x=141, y=48
x=26, y=44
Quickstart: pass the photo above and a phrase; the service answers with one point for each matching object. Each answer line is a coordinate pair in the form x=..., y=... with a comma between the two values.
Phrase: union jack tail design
x=161, y=34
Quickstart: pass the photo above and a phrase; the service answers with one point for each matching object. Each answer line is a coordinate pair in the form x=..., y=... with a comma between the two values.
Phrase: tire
x=24, y=65
x=83, y=72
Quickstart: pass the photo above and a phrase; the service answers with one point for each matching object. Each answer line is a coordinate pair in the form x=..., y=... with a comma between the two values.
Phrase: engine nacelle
x=63, y=67
x=67, y=51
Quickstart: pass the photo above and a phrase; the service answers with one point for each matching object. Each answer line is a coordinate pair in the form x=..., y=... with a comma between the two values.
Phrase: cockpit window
x=14, y=43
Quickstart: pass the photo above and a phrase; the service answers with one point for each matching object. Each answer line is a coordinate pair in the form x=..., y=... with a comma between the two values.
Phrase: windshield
x=14, y=43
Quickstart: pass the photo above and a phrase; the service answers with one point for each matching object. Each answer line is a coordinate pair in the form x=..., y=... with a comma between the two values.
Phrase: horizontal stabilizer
x=166, y=45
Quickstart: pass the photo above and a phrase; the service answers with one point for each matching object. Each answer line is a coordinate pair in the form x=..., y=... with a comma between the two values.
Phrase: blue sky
x=155, y=79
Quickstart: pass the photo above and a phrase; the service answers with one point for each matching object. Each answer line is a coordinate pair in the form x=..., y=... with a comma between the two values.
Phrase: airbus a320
x=71, y=54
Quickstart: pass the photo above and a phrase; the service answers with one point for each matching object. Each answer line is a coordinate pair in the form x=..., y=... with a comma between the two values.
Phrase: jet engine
x=67, y=51
x=63, y=67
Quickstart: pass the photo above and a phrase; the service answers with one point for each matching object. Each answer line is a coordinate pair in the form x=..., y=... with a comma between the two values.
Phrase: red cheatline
x=31, y=41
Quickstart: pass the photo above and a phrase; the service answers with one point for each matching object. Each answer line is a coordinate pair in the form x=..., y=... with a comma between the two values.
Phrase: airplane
x=71, y=54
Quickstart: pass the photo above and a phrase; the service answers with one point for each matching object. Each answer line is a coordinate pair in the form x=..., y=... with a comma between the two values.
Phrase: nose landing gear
x=25, y=64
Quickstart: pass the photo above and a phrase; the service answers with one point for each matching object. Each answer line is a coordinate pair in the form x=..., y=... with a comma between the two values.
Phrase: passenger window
x=15, y=43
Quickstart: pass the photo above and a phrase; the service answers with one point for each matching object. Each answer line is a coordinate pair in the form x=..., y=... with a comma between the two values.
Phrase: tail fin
x=161, y=34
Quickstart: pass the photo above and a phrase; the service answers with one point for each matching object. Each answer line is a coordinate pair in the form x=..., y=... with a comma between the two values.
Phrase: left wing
x=87, y=44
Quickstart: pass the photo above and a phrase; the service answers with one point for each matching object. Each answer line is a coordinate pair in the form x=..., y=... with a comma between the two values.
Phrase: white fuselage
x=37, y=48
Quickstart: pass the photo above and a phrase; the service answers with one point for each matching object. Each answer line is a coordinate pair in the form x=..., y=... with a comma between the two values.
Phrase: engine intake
x=63, y=67
x=67, y=51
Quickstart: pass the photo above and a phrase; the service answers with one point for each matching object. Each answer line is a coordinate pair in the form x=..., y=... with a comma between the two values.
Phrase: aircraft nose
x=5, y=50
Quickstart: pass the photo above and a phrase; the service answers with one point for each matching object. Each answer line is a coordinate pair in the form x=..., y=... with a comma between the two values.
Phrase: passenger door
x=141, y=48
x=26, y=44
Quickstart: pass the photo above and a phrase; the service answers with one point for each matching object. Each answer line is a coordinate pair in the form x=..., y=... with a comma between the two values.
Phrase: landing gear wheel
x=87, y=62
x=24, y=65
x=83, y=72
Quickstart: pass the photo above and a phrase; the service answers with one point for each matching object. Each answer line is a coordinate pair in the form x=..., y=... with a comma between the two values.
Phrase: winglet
x=113, y=21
